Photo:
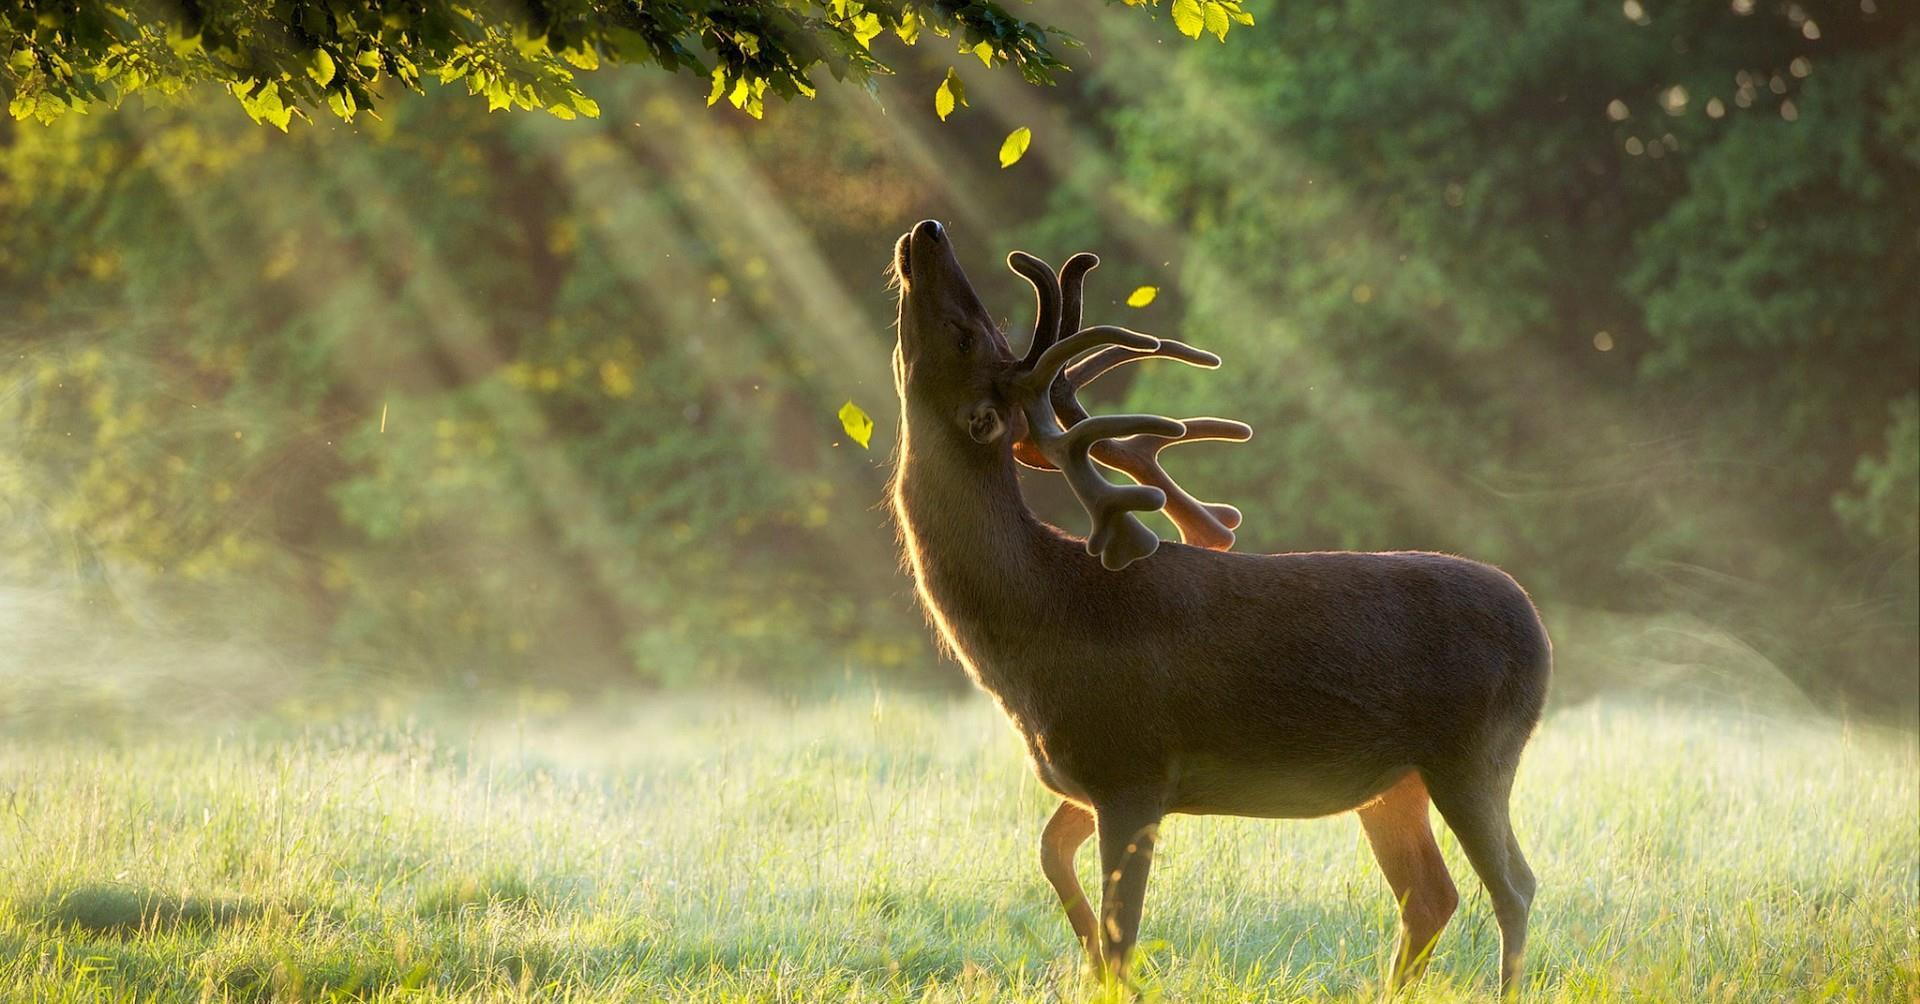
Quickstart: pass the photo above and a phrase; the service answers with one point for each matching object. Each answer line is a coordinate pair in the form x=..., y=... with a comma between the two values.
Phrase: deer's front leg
x=1070, y=827
x=1127, y=832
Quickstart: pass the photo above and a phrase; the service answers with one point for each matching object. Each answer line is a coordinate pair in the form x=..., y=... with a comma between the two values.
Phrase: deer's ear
x=985, y=423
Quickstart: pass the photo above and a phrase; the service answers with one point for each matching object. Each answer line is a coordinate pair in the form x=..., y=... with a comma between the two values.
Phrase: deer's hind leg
x=1402, y=839
x=1475, y=808
x=1070, y=827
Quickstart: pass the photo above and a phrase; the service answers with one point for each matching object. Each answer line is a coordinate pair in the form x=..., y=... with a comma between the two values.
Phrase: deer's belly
x=1213, y=788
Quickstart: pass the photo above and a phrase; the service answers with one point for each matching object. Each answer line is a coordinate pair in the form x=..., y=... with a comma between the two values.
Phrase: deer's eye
x=966, y=343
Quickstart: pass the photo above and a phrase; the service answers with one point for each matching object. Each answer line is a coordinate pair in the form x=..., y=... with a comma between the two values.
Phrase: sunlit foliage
x=281, y=59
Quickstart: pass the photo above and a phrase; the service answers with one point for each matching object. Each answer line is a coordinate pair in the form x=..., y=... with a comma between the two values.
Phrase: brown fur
x=1198, y=681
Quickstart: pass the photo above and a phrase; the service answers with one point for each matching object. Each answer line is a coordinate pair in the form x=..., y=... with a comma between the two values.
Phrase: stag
x=1152, y=678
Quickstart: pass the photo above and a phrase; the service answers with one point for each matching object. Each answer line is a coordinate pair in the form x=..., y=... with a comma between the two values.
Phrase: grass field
x=883, y=848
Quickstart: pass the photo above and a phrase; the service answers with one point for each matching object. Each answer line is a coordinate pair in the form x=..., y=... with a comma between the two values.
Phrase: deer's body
x=1202, y=681
x=1282, y=685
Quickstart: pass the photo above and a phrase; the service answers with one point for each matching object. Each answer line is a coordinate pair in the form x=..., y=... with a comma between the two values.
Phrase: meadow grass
x=882, y=847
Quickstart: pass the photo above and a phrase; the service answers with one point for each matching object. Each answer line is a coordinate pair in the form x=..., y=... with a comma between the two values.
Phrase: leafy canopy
x=281, y=57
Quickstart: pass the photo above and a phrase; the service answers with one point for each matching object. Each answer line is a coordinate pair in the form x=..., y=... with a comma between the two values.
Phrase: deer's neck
x=978, y=556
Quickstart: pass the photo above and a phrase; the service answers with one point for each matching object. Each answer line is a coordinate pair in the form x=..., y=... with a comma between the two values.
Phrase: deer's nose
x=930, y=230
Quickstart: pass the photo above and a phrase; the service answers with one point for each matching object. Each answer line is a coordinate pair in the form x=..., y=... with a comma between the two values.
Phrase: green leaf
x=1015, y=146
x=322, y=68
x=865, y=28
x=49, y=107
x=859, y=427
x=1188, y=18
x=341, y=104
x=1216, y=16
x=909, y=27
x=263, y=105
x=1142, y=296
x=75, y=54
x=755, y=104
x=951, y=93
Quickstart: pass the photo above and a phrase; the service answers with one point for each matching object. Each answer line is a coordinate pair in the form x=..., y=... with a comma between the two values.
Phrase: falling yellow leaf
x=951, y=94
x=1142, y=296
x=859, y=427
x=1015, y=146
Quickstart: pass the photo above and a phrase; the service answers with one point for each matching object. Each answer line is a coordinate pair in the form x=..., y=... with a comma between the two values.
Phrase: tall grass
x=883, y=848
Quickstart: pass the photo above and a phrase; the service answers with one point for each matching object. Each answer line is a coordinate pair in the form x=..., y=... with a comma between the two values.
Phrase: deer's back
x=1290, y=684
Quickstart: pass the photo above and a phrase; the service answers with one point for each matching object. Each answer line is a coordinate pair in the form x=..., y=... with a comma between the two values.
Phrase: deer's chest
x=1058, y=777
x=1084, y=758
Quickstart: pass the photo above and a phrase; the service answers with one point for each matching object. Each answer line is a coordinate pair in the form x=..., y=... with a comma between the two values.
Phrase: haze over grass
x=883, y=849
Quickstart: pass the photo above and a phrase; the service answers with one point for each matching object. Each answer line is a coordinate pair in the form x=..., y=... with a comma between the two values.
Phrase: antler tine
x=1084, y=434
x=1038, y=378
x=1073, y=279
x=1202, y=524
x=1057, y=315
x=1092, y=367
x=1046, y=289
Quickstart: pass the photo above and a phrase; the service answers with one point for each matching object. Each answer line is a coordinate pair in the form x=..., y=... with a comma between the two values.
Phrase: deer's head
x=951, y=360
x=952, y=364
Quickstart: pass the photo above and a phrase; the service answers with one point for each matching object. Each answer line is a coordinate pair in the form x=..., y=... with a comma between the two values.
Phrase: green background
x=1623, y=300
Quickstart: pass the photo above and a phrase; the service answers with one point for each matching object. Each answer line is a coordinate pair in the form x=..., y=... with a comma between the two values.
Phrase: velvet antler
x=1060, y=435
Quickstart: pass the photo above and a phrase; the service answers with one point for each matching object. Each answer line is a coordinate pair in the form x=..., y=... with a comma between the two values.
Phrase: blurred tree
x=1616, y=297
x=1609, y=296
x=283, y=57
x=303, y=390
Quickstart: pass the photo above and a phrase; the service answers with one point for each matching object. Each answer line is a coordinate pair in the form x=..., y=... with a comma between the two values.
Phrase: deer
x=1152, y=678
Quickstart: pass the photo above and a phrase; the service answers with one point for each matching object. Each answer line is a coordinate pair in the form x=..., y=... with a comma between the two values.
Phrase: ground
x=882, y=847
